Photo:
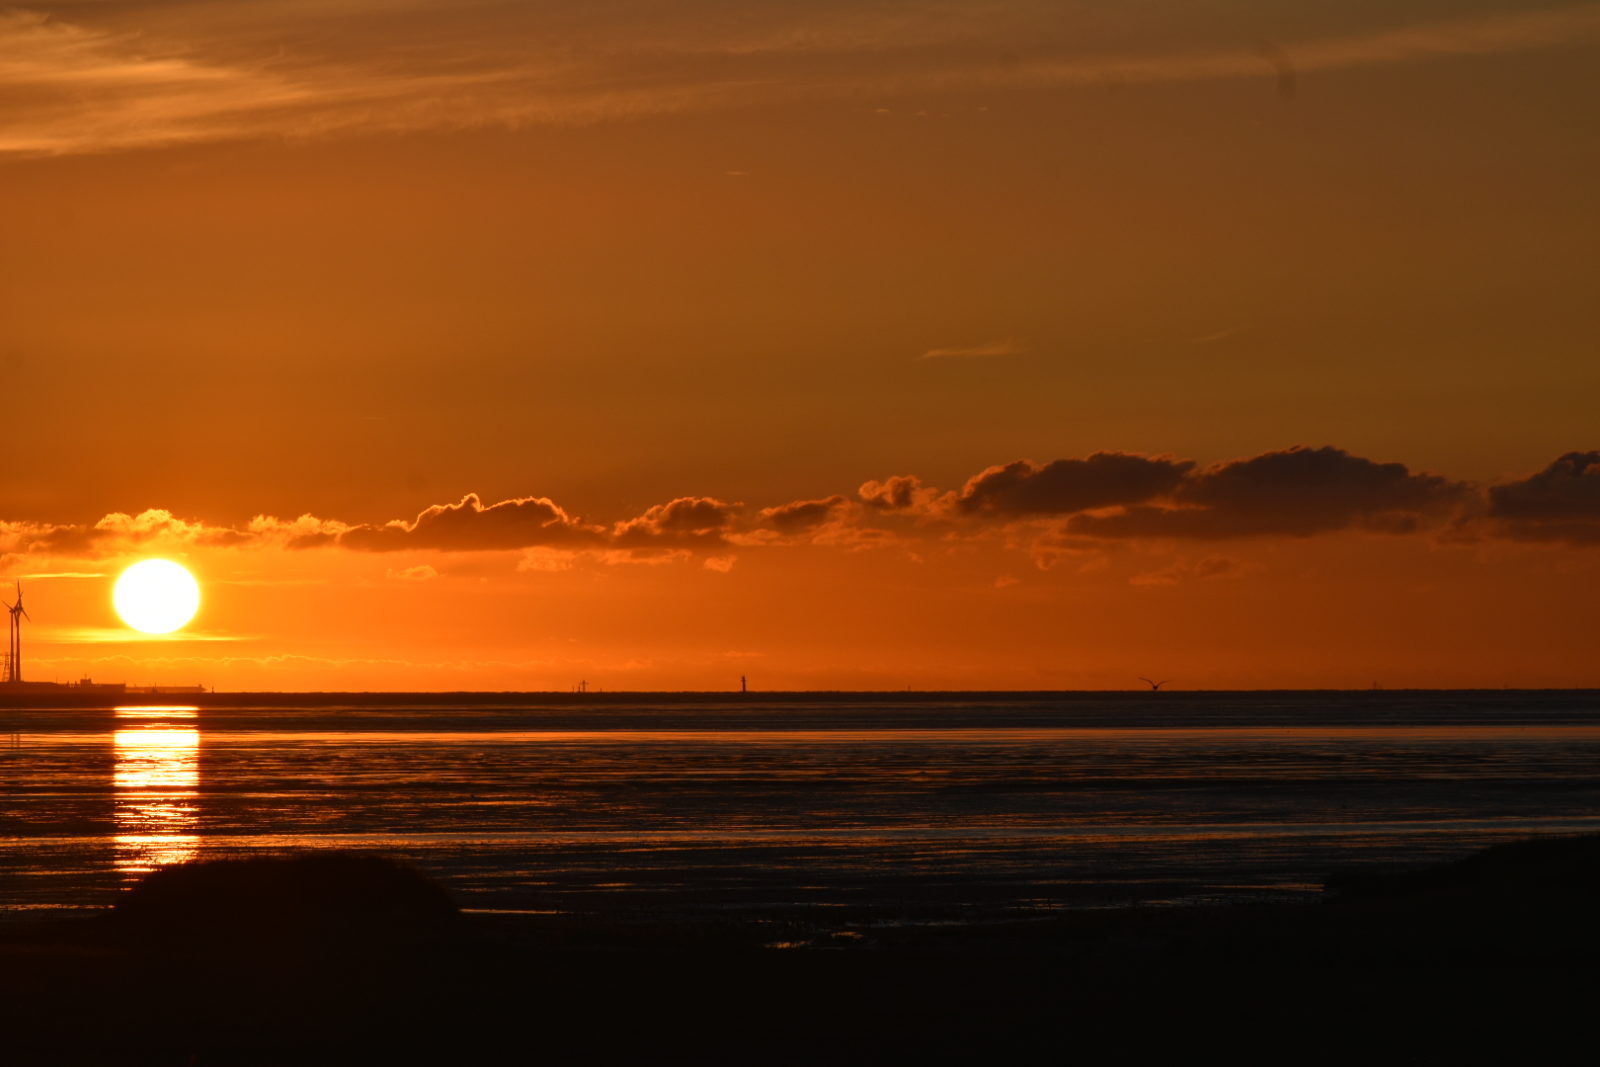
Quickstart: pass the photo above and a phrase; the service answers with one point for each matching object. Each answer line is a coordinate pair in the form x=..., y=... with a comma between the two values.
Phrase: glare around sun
x=156, y=596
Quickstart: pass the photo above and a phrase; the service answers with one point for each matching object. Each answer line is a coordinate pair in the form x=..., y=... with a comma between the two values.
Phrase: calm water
x=917, y=807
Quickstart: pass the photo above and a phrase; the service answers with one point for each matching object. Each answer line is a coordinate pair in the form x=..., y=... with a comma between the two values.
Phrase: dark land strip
x=1488, y=958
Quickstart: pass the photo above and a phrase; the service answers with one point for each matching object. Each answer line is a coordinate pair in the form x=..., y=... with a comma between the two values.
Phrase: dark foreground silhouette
x=357, y=959
x=317, y=898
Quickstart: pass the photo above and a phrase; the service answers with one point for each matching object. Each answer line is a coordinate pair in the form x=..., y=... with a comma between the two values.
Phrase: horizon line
x=100, y=697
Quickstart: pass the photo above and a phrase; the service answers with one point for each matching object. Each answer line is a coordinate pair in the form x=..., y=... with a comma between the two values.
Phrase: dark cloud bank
x=1106, y=497
x=1560, y=503
x=1294, y=492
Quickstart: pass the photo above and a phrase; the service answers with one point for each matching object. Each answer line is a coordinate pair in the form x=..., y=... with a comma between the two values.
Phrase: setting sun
x=853, y=529
x=156, y=596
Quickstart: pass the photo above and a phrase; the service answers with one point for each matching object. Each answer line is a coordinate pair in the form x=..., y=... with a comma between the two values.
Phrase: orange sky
x=354, y=260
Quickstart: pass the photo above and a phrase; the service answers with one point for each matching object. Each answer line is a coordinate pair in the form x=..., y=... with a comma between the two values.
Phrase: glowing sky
x=869, y=344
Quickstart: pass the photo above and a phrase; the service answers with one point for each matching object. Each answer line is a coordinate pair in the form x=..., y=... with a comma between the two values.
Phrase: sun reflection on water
x=156, y=781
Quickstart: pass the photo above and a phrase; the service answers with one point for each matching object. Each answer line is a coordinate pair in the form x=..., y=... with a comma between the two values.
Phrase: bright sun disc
x=156, y=596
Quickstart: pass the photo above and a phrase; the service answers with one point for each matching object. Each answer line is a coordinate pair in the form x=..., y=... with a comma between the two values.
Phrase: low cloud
x=1047, y=511
x=116, y=532
x=160, y=524
x=470, y=526
x=1025, y=489
x=1296, y=492
x=546, y=560
x=420, y=573
x=22, y=538
x=802, y=515
x=307, y=531
x=903, y=492
x=1560, y=503
x=687, y=522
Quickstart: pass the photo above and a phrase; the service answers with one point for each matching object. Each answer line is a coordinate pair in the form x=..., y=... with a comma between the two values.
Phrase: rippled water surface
x=936, y=805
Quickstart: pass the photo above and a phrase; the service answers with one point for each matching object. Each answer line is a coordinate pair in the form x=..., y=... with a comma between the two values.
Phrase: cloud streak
x=983, y=351
x=93, y=86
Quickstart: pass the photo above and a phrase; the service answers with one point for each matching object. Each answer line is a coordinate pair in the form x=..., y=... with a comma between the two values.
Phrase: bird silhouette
x=1155, y=687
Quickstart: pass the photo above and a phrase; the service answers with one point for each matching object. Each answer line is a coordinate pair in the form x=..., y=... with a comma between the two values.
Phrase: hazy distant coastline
x=289, y=698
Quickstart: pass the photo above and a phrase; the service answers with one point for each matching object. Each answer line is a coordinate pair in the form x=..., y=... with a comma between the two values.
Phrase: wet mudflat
x=931, y=807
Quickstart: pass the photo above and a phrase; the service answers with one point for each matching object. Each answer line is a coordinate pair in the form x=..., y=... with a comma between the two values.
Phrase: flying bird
x=1155, y=687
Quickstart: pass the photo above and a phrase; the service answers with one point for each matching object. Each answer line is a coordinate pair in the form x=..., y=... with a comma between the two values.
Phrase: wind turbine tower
x=14, y=650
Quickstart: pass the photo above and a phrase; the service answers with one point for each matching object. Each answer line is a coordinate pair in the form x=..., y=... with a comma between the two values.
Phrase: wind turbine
x=14, y=654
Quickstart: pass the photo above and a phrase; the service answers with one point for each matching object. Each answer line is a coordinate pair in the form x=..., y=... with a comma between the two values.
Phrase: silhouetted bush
x=323, y=896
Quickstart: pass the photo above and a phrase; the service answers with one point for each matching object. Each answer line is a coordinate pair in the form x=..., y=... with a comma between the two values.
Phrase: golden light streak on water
x=158, y=711
x=156, y=783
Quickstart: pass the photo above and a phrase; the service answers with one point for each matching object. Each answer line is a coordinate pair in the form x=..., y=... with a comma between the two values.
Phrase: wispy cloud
x=422, y=572
x=1009, y=347
x=1188, y=571
x=107, y=635
x=1419, y=42
x=71, y=87
x=285, y=660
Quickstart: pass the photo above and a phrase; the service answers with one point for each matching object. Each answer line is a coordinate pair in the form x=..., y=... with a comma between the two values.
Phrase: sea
x=915, y=808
